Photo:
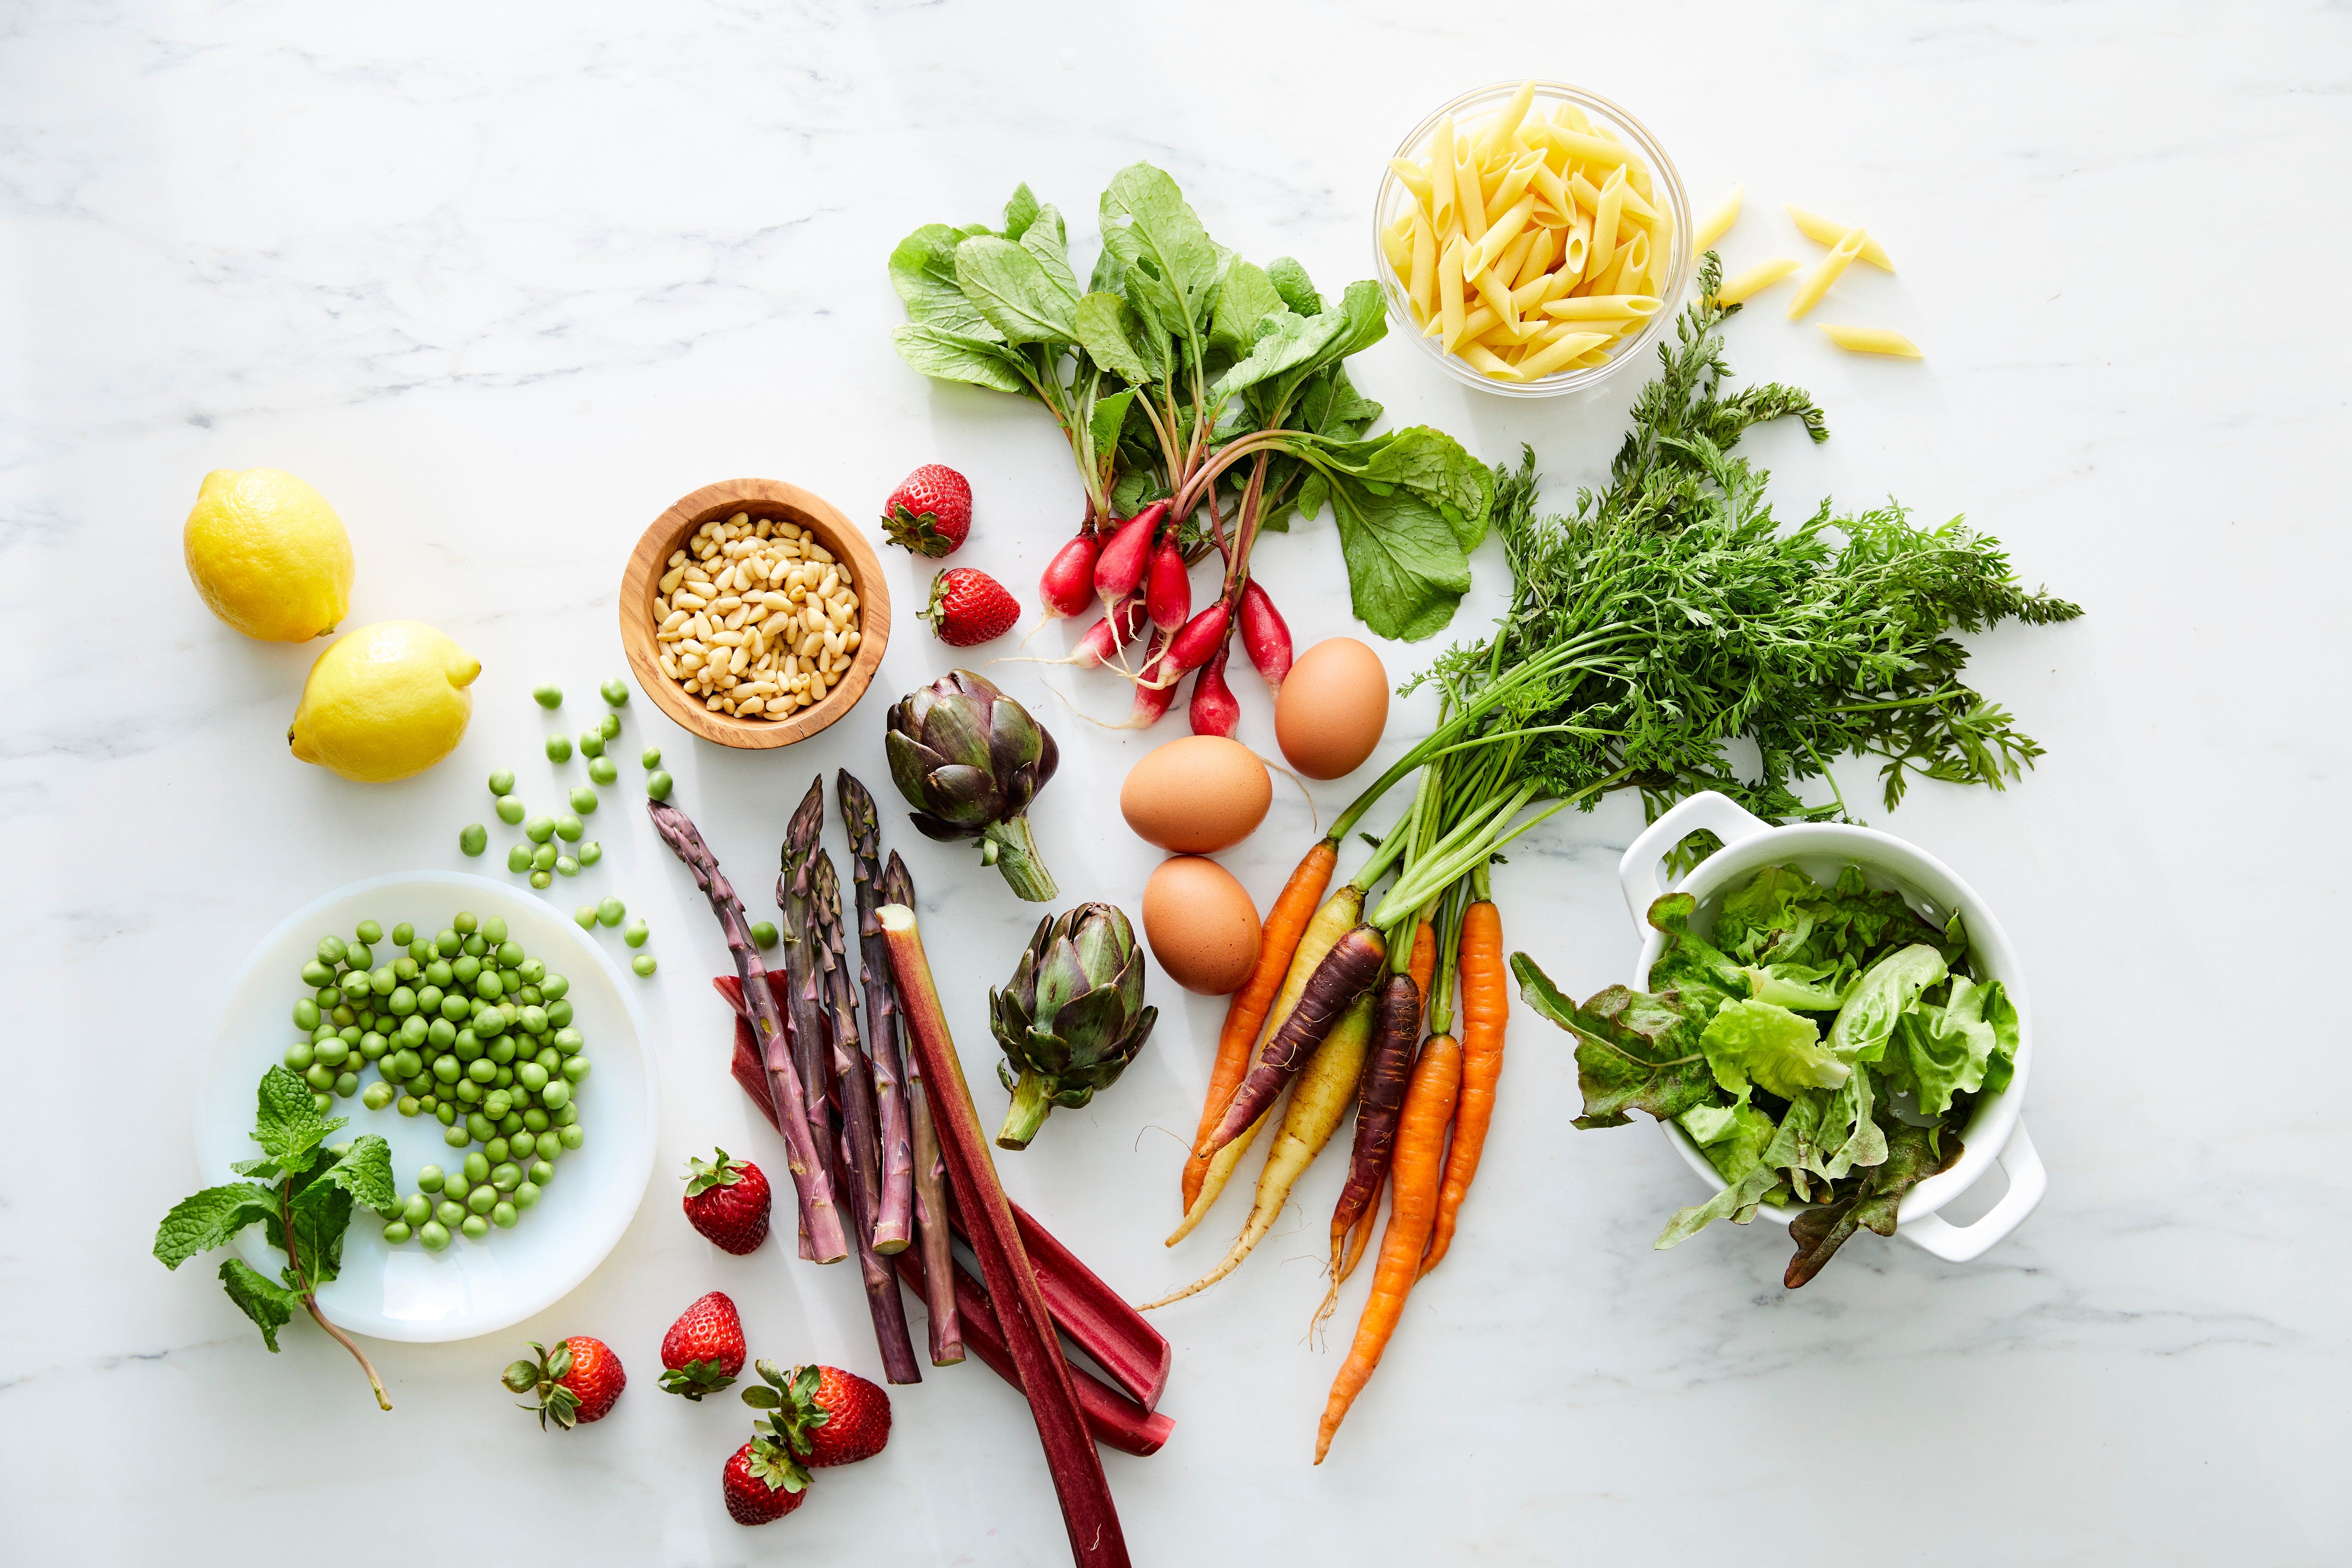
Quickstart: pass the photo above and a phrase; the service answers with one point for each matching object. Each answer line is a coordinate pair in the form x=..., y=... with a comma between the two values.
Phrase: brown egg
x=1333, y=707
x=1200, y=924
x=1196, y=796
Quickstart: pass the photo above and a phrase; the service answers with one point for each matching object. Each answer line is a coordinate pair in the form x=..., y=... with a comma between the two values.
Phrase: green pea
x=369, y=932
x=559, y=1012
x=402, y=934
x=477, y=1168
x=298, y=1056
x=454, y=1009
x=463, y=922
x=571, y=1136
x=490, y=1023
x=497, y=1104
x=439, y=973
x=475, y=945
x=543, y=881
x=533, y=1020
x=591, y=742
x=636, y=933
x=350, y=1034
x=603, y=772
x=763, y=934
x=658, y=784
x=448, y=1212
x=426, y=1098
x=315, y=974
x=615, y=692
x=322, y=1103
x=480, y=1199
x=376, y=1096
x=346, y=1084
x=466, y=969
x=414, y=1031
x=473, y=838
x=510, y=809
x=549, y=1145
x=441, y=1032
x=330, y=1053
x=325, y=1031
x=502, y=1050
x=418, y=1207
x=406, y=1062
x=611, y=726
x=644, y=965
x=340, y=1150
x=583, y=800
x=650, y=758
x=494, y=930
x=432, y=1236
x=556, y=1095
x=589, y=853
x=446, y=943
x=548, y=1057
x=503, y=782
x=305, y=1014
x=542, y=1170
x=421, y=950
x=396, y=1232
x=475, y=1228
x=404, y=969
x=446, y=1068
x=548, y=696
x=506, y=1175
x=574, y=1069
x=584, y=917
x=540, y=828
x=402, y=1002
x=535, y=1120
x=552, y=987
x=488, y=987
x=525, y=1196
x=371, y=1046
x=357, y=955
x=531, y=1076
x=559, y=748
x=508, y=1126
x=383, y=981
x=456, y=1137
x=408, y=1105
x=611, y=911
x=503, y=1214
x=565, y=1118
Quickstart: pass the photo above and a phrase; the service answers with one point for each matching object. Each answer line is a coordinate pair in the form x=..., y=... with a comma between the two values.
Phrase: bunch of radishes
x=1140, y=574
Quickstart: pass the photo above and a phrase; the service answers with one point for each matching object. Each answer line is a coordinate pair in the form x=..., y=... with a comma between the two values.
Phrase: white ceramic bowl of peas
x=469, y=1288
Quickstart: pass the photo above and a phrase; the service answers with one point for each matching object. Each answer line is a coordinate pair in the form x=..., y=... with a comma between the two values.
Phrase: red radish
x=1190, y=648
x=1265, y=635
x=1169, y=592
x=1214, y=710
x=1068, y=586
x=1118, y=570
x=1108, y=635
x=1155, y=688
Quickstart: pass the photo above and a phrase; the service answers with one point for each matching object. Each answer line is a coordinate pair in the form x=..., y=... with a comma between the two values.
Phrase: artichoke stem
x=1016, y=857
x=1032, y=1103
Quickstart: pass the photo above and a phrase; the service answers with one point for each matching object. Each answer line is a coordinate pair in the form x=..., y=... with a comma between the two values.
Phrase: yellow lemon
x=268, y=554
x=384, y=702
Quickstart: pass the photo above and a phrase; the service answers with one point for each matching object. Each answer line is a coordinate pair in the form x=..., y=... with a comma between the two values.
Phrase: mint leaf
x=322, y=1213
x=287, y=1125
x=1012, y=289
x=365, y=1172
x=922, y=270
x=208, y=1219
x=951, y=356
x=1633, y=1052
x=270, y=1305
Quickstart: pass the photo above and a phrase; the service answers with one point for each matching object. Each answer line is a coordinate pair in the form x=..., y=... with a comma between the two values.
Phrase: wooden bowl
x=761, y=497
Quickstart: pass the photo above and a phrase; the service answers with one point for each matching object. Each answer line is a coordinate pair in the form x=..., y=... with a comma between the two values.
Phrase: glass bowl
x=1472, y=107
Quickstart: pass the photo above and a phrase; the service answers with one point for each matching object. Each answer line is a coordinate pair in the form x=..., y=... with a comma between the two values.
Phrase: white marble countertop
x=503, y=281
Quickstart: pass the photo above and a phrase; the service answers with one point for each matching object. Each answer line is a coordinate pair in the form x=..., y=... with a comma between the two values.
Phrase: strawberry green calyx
x=543, y=1380
x=695, y=1379
x=701, y=1176
x=922, y=534
x=772, y=1462
x=793, y=1412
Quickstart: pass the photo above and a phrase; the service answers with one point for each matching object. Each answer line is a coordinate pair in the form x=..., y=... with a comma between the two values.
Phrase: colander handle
x=1638, y=872
x=2028, y=1181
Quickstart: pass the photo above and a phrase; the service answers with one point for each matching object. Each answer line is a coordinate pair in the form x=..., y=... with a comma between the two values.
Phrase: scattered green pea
x=559, y=748
x=559, y=1012
x=552, y=988
x=565, y=866
x=548, y=696
x=456, y=1137
x=658, y=784
x=574, y=1069
x=616, y=692
x=568, y=828
x=591, y=742
x=503, y=782
x=408, y=1105
x=556, y=1095
x=589, y=853
x=584, y=917
x=583, y=800
x=475, y=1228
x=402, y=934
x=473, y=838
x=376, y=1096
x=369, y=932
x=543, y=858
x=644, y=965
x=503, y=1214
x=650, y=758
x=611, y=726
x=571, y=1135
x=611, y=911
x=510, y=809
x=396, y=1232
x=636, y=933
x=432, y=1236
x=525, y=1196
x=763, y=934
x=549, y=1145
x=540, y=828
x=603, y=772
x=543, y=880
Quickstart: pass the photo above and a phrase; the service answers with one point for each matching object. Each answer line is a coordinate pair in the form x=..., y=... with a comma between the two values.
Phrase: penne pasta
x=1450, y=307
x=1421, y=283
x=1716, y=224
x=1398, y=247
x=1553, y=355
x=1534, y=266
x=1503, y=130
x=1469, y=195
x=1744, y=285
x=1817, y=283
x=1414, y=177
x=1605, y=223
x=1822, y=231
x=1506, y=266
x=1593, y=152
x=1488, y=361
x=1497, y=299
x=1871, y=341
x=1441, y=177
x=1504, y=229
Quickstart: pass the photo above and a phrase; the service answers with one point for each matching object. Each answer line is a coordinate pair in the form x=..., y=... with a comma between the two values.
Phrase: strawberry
x=930, y=512
x=823, y=1415
x=969, y=607
x=762, y=1483
x=704, y=1349
x=728, y=1203
x=577, y=1382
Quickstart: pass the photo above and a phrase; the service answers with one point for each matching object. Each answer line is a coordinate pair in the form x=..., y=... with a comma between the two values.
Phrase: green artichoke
x=969, y=760
x=1072, y=1019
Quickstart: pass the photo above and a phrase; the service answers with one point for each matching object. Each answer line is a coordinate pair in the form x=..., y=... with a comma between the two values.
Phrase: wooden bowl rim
x=761, y=498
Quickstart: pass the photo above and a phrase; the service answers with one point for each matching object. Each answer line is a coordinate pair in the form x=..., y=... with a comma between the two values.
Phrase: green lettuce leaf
x=1884, y=991
x=1771, y=912
x=1732, y=1137
x=1757, y=1042
x=1912, y=1156
x=1736, y=1202
x=1809, y=987
x=1688, y=963
x=2002, y=1014
x=1633, y=1052
x=1938, y=1052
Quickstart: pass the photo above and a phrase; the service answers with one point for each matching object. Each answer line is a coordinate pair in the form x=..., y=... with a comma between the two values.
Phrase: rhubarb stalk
x=894, y=1220
x=1089, y=1513
x=820, y=1218
x=811, y=1058
x=861, y=1147
x=930, y=1173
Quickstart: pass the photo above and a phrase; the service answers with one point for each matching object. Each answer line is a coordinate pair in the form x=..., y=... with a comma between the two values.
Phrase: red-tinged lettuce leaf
x=1913, y=1154
x=1633, y=1051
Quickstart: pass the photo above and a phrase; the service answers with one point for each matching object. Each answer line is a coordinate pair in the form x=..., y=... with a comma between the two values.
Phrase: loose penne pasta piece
x=1871, y=341
x=1746, y=284
x=1822, y=231
x=1817, y=283
x=1716, y=224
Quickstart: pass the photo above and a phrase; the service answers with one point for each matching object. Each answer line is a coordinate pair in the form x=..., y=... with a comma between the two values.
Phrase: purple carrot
x=894, y=1220
x=930, y=1160
x=820, y=1216
x=1351, y=966
x=861, y=1144
x=1396, y=1030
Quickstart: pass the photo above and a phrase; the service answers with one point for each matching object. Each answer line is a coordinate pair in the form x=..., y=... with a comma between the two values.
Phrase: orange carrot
x=1486, y=1008
x=1412, y=1203
x=1245, y=1015
x=1422, y=965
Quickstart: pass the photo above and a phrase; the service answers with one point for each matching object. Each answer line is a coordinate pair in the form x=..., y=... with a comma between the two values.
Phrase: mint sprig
x=302, y=1193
